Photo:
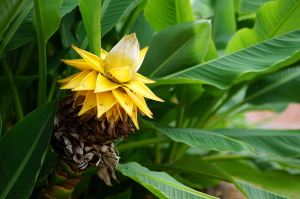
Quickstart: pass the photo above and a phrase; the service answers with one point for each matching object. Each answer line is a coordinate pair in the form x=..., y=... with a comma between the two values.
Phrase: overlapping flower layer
x=110, y=84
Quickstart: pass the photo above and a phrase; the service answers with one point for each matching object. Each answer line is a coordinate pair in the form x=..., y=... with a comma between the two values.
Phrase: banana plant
x=146, y=98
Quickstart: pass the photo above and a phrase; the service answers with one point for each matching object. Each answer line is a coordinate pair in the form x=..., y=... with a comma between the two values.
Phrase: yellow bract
x=110, y=84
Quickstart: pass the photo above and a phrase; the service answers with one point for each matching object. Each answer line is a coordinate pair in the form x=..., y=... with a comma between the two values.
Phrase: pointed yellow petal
x=116, y=113
x=121, y=112
x=104, y=84
x=81, y=64
x=120, y=75
x=90, y=58
x=76, y=81
x=141, y=89
x=88, y=83
x=144, y=79
x=109, y=113
x=105, y=101
x=89, y=102
x=124, y=100
x=103, y=54
x=142, y=56
x=113, y=112
x=66, y=80
x=134, y=116
x=140, y=102
x=79, y=98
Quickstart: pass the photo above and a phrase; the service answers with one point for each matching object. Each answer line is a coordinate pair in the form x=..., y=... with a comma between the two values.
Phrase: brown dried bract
x=87, y=140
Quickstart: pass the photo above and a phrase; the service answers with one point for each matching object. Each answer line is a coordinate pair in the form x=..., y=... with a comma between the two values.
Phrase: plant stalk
x=140, y=143
x=15, y=94
x=249, y=98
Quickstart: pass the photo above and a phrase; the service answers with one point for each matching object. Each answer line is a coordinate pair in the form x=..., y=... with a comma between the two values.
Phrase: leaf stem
x=157, y=149
x=140, y=143
x=42, y=87
x=14, y=28
x=225, y=157
x=208, y=113
x=174, y=145
x=223, y=116
x=53, y=86
x=15, y=94
x=27, y=53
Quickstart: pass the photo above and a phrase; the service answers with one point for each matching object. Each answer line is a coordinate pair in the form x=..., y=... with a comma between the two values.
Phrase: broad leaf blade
x=22, y=149
x=273, y=18
x=222, y=72
x=47, y=18
x=8, y=10
x=252, y=6
x=276, y=181
x=160, y=183
x=223, y=23
x=281, y=86
x=112, y=12
x=183, y=53
x=206, y=140
x=24, y=33
x=67, y=7
x=196, y=166
x=162, y=14
x=283, y=143
x=255, y=192
x=90, y=11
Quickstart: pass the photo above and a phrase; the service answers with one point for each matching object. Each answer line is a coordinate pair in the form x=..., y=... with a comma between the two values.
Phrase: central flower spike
x=109, y=86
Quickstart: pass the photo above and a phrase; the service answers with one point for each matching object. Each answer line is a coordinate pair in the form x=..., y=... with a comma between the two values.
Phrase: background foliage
x=212, y=60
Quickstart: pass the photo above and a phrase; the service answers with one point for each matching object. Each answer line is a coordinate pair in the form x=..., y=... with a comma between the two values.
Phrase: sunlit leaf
x=195, y=166
x=223, y=23
x=255, y=192
x=67, y=7
x=47, y=19
x=206, y=140
x=113, y=10
x=182, y=54
x=162, y=14
x=273, y=18
x=252, y=6
x=160, y=183
x=203, y=9
x=90, y=11
x=222, y=72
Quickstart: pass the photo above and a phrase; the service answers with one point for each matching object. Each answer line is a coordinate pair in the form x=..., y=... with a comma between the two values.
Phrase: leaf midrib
x=171, y=57
x=170, y=184
x=285, y=18
x=10, y=17
x=25, y=160
x=195, y=67
x=208, y=133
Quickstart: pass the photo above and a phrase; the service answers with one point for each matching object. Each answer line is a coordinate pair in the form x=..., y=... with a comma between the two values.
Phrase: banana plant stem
x=131, y=145
x=209, y=110
x=42, y=87
x=157, y=149
x=14, y=28
x=174, y=145
x=27, y=53
x=223, y=116
x=15, y=94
